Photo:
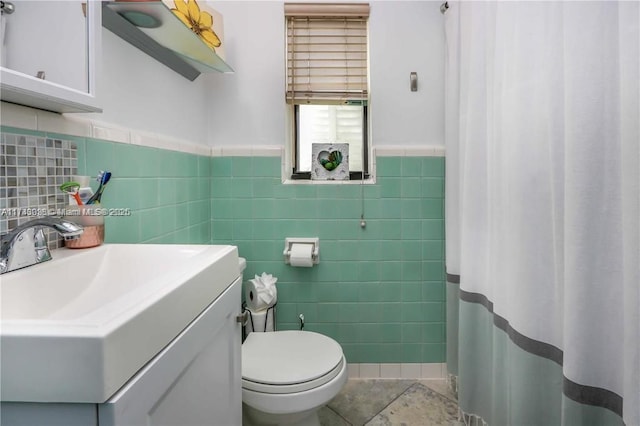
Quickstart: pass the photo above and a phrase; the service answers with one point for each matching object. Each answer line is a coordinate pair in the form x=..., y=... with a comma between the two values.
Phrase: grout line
x=438, y=392
x=339, y=415
x=394, y=399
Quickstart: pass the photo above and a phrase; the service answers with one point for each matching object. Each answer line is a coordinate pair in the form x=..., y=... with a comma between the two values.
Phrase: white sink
x=76, y=328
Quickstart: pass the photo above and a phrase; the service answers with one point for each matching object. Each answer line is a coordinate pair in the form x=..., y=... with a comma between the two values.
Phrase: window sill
x=369, y=181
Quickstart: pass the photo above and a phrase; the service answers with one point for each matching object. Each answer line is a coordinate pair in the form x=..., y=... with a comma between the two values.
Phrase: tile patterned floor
x=387, y=402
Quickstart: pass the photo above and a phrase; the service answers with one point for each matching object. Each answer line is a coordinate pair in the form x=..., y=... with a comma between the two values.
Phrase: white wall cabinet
x=49, y=51
x=194, y=381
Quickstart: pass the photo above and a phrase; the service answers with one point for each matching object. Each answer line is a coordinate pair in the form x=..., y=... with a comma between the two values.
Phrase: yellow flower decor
x=200, y=22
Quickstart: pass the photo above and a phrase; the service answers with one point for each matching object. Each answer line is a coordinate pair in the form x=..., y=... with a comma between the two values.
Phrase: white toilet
x=288, y=375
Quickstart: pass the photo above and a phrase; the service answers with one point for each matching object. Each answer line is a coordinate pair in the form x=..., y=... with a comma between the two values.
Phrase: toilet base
x=293, y=409
x=253, y=417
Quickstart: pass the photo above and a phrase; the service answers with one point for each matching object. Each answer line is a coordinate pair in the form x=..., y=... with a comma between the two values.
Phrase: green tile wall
x=168, y=192
x=379, y=291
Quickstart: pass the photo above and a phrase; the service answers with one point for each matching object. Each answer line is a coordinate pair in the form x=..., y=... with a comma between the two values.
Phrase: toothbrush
x=71, y=188
x=103, y=178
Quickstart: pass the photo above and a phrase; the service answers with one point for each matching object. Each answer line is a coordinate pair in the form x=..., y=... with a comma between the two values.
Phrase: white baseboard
x=398, y=371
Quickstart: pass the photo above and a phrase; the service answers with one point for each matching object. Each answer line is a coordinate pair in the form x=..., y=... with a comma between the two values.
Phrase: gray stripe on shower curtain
x=582, y=394
x=453, y=298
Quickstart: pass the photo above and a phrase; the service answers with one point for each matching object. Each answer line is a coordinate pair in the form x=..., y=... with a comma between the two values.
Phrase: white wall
x=247, y=108
x=138, y=92
x=407, y=36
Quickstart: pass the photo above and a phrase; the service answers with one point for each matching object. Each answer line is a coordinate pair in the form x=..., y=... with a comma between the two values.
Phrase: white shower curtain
x=543, y=209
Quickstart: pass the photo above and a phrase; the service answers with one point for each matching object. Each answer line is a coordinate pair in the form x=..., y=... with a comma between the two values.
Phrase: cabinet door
x=48, y=54
x=195, y=381
x=31, y=46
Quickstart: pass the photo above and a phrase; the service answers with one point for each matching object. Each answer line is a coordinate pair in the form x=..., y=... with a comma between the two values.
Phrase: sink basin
x=76, y=328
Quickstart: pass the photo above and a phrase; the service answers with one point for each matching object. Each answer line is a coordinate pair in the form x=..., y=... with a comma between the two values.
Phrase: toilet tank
x=242, y=264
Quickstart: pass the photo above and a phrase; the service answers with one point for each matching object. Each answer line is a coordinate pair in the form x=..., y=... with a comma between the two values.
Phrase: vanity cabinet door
x=195, y=381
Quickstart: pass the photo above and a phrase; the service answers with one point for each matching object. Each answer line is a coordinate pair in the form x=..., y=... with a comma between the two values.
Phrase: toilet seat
x=289, y=361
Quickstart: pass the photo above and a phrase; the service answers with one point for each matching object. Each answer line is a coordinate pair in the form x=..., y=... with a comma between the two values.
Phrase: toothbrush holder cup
x=91, y=217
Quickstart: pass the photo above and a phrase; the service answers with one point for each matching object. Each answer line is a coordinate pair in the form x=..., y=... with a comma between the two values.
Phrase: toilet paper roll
x=301, y=255
x=253, y=291
x=257, y=321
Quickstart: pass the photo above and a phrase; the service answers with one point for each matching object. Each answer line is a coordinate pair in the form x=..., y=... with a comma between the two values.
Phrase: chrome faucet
x=25, y=245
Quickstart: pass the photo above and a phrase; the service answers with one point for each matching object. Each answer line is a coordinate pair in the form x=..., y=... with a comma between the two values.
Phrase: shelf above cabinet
x=161, y=35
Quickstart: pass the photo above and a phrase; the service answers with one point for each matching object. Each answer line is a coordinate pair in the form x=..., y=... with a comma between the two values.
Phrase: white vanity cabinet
x=194, y=381
x=48, y=54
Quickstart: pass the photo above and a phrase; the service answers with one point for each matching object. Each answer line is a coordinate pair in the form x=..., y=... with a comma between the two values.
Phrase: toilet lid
x=285, y=358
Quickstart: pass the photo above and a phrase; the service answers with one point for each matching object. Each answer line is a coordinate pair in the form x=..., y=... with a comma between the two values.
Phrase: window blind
x=326, y=53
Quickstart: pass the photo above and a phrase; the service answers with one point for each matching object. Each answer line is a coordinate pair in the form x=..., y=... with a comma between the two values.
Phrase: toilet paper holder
x=315, y=252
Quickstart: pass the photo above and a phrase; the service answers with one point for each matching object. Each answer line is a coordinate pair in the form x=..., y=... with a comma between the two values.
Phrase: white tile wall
x=398, y=371
x=44, y=121
x=409, y=151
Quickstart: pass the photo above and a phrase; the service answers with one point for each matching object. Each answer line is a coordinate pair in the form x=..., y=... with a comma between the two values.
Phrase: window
x=327, y=81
